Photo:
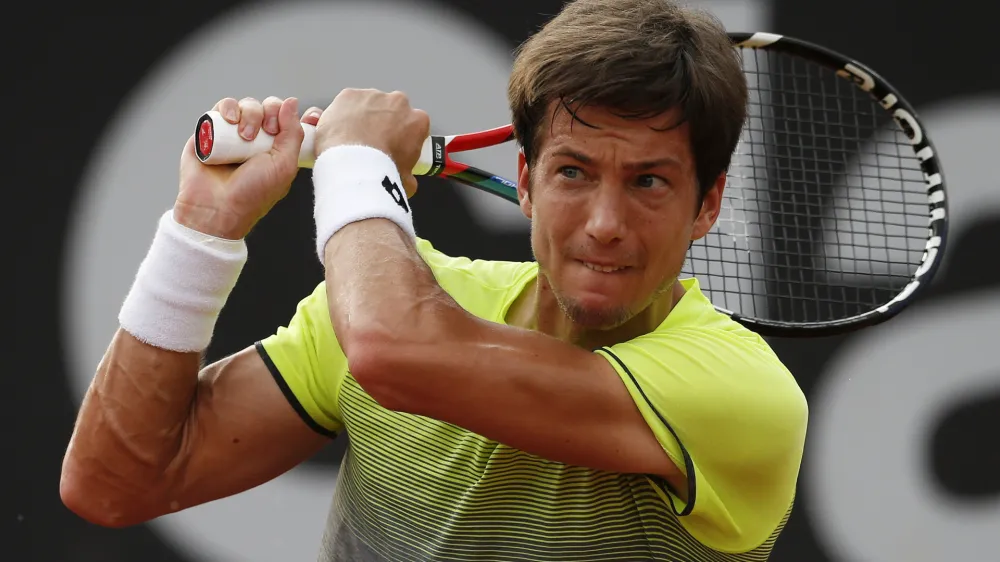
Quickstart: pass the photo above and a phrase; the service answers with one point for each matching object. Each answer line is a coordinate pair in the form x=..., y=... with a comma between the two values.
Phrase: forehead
x=597, y=127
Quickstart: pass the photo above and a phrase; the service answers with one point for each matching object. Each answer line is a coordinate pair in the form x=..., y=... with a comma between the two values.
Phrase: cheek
x=552, y=225
x=666, y=242
x=542, y=245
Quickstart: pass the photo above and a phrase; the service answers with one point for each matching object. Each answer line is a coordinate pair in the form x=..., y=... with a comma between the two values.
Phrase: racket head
x=834, y=215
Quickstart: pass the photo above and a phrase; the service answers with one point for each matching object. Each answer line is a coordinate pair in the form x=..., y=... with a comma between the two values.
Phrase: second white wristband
x=353, y=183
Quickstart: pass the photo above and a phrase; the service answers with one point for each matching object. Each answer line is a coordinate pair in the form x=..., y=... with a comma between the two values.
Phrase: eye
x=571, y=172
x=647, y=181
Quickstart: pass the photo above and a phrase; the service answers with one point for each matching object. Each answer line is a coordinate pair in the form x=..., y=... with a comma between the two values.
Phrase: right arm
x=156, y=433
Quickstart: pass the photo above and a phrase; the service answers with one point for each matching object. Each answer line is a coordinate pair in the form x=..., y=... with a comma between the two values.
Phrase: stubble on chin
x=605, y=318
x=593, y=318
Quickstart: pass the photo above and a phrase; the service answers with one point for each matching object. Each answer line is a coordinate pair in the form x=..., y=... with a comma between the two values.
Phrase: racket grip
x=218, y=141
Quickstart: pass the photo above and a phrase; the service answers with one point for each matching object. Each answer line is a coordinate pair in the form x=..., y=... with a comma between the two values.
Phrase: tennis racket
x=834, y=215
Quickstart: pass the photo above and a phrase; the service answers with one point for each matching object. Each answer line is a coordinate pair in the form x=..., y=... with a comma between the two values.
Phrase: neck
x=538, y=309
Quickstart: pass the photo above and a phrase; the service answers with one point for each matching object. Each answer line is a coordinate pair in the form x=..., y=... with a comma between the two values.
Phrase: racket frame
x=891, y=101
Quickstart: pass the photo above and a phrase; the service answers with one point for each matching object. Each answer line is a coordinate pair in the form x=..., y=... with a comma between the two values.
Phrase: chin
x=595, y=317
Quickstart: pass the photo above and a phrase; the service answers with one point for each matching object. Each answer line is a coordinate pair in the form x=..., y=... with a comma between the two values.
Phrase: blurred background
x=903, y=454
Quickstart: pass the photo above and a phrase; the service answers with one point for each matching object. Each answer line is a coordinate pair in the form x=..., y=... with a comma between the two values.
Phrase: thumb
x=288, y=141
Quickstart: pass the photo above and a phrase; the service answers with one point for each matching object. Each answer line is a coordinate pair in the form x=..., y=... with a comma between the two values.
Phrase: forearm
x=518, y=388
x=378, y=284
x=129, y=430
x=134, y=419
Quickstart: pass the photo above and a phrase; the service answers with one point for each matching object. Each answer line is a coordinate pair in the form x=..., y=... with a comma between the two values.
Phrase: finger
x=288, y=141
x=312, y=115
x=229, y=108
x=251, y=117
x=409, y=184
x=271, y=106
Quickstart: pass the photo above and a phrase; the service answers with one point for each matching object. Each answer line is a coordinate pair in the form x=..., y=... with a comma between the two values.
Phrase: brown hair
x=640, y=59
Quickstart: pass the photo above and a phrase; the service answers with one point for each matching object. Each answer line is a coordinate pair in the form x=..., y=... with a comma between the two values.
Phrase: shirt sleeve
x=308, y=364
x=730, y=416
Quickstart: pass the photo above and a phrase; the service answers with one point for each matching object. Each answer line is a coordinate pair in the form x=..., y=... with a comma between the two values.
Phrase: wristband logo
x=397, y=194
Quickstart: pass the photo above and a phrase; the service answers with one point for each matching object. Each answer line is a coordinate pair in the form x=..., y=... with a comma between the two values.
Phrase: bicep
x=243, y=432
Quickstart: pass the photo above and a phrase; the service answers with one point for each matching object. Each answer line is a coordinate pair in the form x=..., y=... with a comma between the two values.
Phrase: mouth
x=604, y=268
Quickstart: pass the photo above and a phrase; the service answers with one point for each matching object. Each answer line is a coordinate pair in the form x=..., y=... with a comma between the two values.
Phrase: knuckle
x=251, y=106
x=229, y=108
x=272, y=100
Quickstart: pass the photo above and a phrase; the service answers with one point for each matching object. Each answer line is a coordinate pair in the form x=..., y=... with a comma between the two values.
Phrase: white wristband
x=353, y=183
x=181, y=287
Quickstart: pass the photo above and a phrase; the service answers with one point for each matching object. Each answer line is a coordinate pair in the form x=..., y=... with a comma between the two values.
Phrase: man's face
x=613, y=209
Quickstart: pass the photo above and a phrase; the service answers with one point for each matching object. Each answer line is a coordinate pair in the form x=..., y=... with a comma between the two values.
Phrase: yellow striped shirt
x=412, y=488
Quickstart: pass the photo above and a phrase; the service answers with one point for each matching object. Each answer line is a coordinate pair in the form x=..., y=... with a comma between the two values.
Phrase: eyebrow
x=631, y=166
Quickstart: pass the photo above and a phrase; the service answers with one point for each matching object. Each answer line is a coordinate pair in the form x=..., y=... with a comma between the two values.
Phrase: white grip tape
x=221, y=143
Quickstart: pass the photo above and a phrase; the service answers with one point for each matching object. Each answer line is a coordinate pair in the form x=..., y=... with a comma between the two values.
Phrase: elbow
x=392, y=362
x=373, y=361
x=378, y=362
x=76, y=498
x=86, y=500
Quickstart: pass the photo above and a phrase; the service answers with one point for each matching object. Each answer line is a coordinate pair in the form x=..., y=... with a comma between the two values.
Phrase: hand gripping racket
x=834, y=214
x=219, y=142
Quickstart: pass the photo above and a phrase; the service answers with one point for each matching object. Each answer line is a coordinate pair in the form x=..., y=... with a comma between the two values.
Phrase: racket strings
x=825, y=213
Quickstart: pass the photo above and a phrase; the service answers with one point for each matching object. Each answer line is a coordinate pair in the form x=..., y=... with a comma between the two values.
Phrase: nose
x=606, y=222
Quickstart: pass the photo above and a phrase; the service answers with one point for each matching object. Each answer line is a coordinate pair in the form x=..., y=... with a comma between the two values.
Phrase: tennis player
x=589, y=405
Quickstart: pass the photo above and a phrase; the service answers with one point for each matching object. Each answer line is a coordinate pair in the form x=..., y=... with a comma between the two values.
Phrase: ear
x=523, y=177
x=710, y=208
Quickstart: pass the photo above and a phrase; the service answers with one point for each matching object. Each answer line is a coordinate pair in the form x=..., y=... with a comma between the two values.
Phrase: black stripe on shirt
x=289, y=395
x=692, y=487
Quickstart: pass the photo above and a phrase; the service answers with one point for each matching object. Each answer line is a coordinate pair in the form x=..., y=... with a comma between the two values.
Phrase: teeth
x=601, y=268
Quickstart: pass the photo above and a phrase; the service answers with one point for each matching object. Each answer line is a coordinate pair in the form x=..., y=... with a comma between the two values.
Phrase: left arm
x=414, y=349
